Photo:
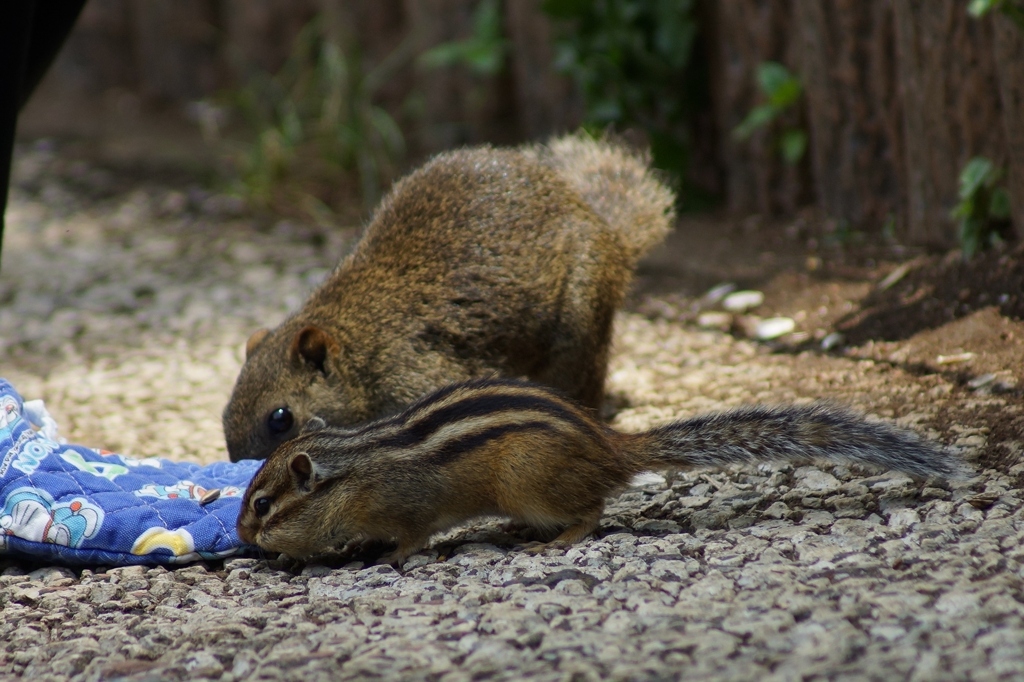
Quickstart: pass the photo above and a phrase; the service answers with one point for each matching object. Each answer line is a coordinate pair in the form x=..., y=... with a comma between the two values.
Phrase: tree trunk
x=260, y=33
x=747, y=33
x=97, y=54
x=947, y=80
x=547, y=102
x=1008, y=50
x=854, y=110
x=459, y=107
x=176, y=44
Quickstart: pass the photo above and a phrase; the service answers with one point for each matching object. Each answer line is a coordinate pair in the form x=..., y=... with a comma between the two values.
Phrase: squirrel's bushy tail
x=618, y=184
x=791, y=434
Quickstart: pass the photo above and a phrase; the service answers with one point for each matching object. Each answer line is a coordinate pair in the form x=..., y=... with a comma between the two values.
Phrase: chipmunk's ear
x=314, y=424
x=255, y=340
x=301, y=469
x=312, y=346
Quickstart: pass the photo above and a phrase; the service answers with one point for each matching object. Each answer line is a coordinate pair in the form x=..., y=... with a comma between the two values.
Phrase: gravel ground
x=125, y=304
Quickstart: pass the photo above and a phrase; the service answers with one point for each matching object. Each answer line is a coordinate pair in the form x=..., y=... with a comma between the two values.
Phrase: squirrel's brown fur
x=485, y=261
x=514, y=449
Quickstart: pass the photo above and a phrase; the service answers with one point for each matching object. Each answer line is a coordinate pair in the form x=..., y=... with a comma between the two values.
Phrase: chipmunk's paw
x=360, y=547
x=541, y=547
x=405, y=549
x=394, y=559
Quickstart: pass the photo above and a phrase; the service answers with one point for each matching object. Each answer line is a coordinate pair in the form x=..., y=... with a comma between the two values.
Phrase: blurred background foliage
x=632, y=60
x=315, y=123
x=867, y=113
x=318, y=120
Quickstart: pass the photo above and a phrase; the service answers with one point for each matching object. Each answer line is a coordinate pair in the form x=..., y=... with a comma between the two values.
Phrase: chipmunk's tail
x=618, y=184
x=791, y=434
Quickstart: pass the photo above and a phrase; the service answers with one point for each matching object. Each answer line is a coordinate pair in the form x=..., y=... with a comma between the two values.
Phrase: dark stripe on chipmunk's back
x=479, y=400
x=452, y=449
x=400, y=419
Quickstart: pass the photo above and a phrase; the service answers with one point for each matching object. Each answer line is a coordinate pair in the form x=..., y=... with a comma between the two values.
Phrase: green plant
x=1011, y=8
x=632, y=61
x=319, y=112
x=984, y=207
x=484, y=52
x=783, y=91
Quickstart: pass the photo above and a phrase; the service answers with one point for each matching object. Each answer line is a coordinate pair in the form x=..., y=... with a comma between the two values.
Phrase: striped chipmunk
x=510, y=448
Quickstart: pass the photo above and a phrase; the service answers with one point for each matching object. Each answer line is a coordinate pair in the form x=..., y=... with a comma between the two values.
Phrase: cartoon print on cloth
x=104, y=469
x=185, y=490
x=133, y=462
x=70, y=504
x=30, y=514
x=29, y=449
x=9, y=415
x=35, y=412
x=178, y=542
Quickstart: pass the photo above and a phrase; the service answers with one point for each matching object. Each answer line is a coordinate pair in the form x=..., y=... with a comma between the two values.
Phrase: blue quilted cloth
x=70, y=504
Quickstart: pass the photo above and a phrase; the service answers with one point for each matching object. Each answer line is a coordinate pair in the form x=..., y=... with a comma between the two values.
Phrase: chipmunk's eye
x=261, y=506
x=280, y=420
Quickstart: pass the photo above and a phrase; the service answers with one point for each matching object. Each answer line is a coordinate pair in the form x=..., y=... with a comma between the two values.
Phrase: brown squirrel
x=485, y=261
x=510, y=448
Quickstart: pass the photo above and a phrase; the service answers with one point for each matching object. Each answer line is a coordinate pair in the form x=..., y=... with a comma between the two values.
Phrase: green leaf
x=674, y=32
x=772, y=76
x=484, y=59
x=565, y=58
x=442, y=55
x=963, y=209
x=793, y=144
x=487, y=20
x=782, y=87
x=979, y=8
x=388, y=130
x=970, y=236
x=787, y=93
x=483, y=53
x=334, y=63
x=759, y=117
x=976, y=174
x=982, y=204
x=291, y=125
x=999, y=205
x=606, y=111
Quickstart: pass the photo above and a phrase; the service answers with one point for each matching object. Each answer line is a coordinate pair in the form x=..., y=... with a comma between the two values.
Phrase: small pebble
x=774, y=327
x=895, y=276
x=981, y=381
x=954, y=359
x=742, y=301
x=983, y=500
x=714, y=320
x=833, y=340
x=716, y=294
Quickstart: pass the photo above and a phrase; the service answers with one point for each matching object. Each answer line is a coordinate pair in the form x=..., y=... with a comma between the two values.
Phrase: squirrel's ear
x=314, y=424
x=312, y=345
x=255, y=340
x=301, y=468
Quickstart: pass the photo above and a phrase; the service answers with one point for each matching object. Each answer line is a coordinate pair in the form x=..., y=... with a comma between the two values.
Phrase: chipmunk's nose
x=245, y=534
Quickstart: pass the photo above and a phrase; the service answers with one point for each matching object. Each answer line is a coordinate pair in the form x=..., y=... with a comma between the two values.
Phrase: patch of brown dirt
x=928, y=316
x=936, y=291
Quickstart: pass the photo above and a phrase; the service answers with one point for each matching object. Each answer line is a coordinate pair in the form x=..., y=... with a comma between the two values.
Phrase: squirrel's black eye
x=261, y=506
x=280, y=420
